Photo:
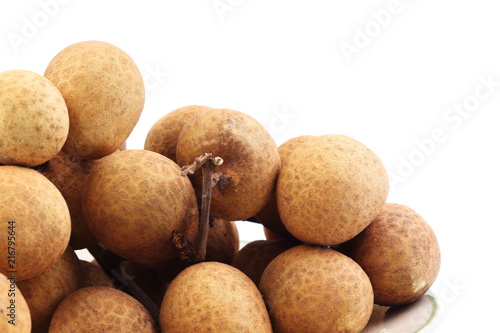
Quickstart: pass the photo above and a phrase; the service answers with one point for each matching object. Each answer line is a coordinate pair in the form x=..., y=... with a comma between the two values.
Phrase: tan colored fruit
x=254, y=257
x=251, y=160
x=35, y=214
x=163, y=135
x=269, y=216
x=134, y=200
x=399, y=252
x=34, y=119
x=213, y=297
x=223, y=241
x=104, y=92
x=69, y=173
x=44, y=292
x=14, y=310
x=330, y=189
x=101, y=309
x=315, y=289
x=93, y=275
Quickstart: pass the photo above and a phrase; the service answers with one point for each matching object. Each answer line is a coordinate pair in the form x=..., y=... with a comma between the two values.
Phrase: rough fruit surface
x=21, y=315
x=104, y=93
x=34, y=119
x=101, y=309
x=315, y=289
x=134, y=200
x=213, y=297
x=399, y=252
x=40, y=220
x=163, y=135
x=330, y=188
x=251, y=160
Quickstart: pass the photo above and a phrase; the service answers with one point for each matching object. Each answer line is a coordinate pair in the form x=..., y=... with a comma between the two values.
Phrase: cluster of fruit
x=160, y=220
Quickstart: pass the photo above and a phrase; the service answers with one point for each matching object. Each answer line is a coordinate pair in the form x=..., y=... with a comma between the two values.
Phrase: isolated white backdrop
x=416, y=81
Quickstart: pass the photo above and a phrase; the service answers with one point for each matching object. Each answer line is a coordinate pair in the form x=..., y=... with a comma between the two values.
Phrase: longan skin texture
x=269, y=216
x=213, y=297
x=399, y=252
x=104, y=92
x=93, y=275
x=329, y=189
x=23, y=316
x=163, y=135
x=42, y=220
x=69, y=174
x=101, y=309
x=34, y=120
x=134, y=199
x=44, y=292
x=223, y=241
x=251, y=160
x=315, y=289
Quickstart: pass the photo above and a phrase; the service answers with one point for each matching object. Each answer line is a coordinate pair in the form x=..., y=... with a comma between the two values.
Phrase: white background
x=412, y=65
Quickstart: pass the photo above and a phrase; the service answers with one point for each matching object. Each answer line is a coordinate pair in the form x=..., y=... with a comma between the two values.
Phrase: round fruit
x=35, y=214
x=133, y=201
x=34, y=119
x=254, y=257
x=330, y=188
x=44, y=292
x=269, y=216
x=213, y=297
x=69, y=173
x=101, y=309
x=314, y=289
x=163, y=135
x=104, y=92
x=399, y=252
x=16, y=317
x=223, y=241
x=248, y=175
x=93, y=275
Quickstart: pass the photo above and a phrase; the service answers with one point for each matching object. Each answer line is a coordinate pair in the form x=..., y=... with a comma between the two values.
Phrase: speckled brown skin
x=251, y=160
x=315, y=289
x=269, y=216
x=44, y=292
x=399, y=252
x=104, y=92
x=254, y=257
x=93, y=275
x=223, y=241
x=34, y=119
x=42, y=220
x=69, y=173
x=101, y=310
x=213, y=297
x=21, y=316
x=134, y=200
x=163, y=135
x=330, y=188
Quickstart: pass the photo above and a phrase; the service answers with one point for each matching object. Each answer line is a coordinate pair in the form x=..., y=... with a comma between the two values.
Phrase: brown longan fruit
x=34, y=119
x=39, y=217
x=213, y=297
x=134, y=200
x=44, y=292
x=330, y=188
x=104, y=92
x=316, y=289
x=163, y=135
x=251, y=160
x=101, y=309
x=93, y=275
x=16, y=317
x=399, y=252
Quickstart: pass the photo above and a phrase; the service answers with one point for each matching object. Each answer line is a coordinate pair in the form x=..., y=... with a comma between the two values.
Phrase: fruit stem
x=111, y=264
x=198, y=163
x=208, y=183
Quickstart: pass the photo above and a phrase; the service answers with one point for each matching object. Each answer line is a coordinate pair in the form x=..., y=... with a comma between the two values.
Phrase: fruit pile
x=159, y=221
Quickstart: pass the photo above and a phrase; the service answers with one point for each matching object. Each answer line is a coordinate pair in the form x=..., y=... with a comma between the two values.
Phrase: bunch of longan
x=160, y=220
